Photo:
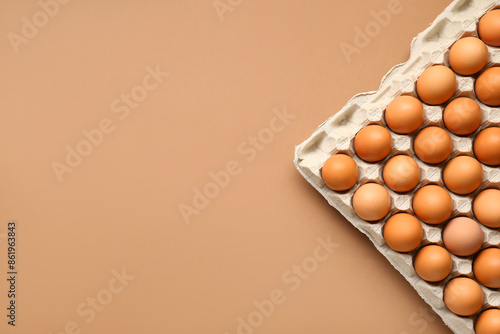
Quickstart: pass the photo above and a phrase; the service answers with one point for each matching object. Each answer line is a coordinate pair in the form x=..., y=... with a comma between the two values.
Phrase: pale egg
x=371, y=202
x=462, y=236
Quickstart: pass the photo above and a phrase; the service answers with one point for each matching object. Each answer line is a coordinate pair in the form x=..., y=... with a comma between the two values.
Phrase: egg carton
x=336, y=135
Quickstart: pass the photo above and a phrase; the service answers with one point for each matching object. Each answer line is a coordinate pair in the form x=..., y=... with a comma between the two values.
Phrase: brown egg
x=462, y=116
x=462, y=175
x=487, y=86
x=487, y=146
x=486, y=207
x=403, y=232
x=401, y=173
x=463, y=296
x=432, y=204
x=371, y=202
x=468, y=55
x=340, y=172
x=488, y=28
x=486, y=268
x=433, y=263
x=463, y=236
x=488, y=322
x=436, y=85
x=433, y=145
x=373, y=143
x=404, y=114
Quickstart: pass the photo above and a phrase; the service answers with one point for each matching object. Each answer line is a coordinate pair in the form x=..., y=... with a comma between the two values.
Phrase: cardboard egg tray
x=336, y=135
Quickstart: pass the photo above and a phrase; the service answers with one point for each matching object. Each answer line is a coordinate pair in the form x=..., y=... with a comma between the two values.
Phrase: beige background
x=120, y=207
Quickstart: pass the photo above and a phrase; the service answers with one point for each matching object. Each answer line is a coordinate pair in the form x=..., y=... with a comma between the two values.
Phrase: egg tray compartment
x=336, y=135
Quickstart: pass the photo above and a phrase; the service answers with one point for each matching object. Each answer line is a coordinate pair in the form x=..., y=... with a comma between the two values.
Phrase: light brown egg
x=488, y=28
x=403, y=232
x=373, y=143
x=433, y=145
x=487, y=87
x=462, y=175
x=340, y=172
x=404, y=114
x=463, y=296
x=486, y=268
x=401, y=173
x=462, y=116
x=486, y=207
x=433, y=263
x=487, y=146
x=468, y=55
x=488, y=322
x=462, y=236
x=432, y=204
x=371, y=202
x=436, y=85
